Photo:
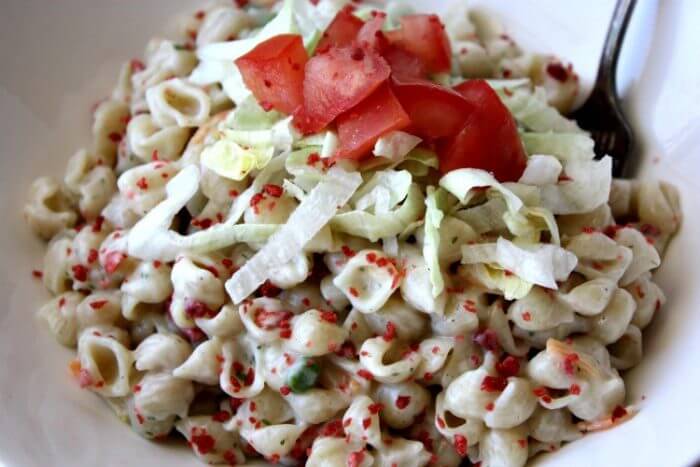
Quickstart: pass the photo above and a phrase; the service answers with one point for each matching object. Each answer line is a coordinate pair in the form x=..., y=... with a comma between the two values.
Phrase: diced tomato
x=371, y=35
x=335, y=82
x=341, y=32
x=359, y=128
x=489, y=139
x=403, y=63
x=435, y=111
x=274, y=72
x=425, y=37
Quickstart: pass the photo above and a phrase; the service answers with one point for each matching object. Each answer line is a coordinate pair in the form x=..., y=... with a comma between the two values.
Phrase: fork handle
x=607, y=70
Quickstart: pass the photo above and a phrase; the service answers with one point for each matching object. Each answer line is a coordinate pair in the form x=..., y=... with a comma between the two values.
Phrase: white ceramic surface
x=56, y=58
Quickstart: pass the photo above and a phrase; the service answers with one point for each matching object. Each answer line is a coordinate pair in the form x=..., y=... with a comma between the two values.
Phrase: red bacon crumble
x=461, y=445
x=494, y=383
x=402, y=402
x=97, y=304
x=390, y=332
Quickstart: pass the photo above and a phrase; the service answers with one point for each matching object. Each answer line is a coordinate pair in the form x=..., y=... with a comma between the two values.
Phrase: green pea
x=303, y=375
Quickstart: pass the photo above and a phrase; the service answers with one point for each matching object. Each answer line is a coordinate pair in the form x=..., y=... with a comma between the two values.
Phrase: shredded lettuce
x=281, y=136
x=564, y=146
x=541, y=170
x=492, y=278
x=151, y=237
x=250, y=116
x=330, y=144
x=396, y=145
x=384, y=190
x=532, y=111
x=530, y=222
x=461, y=182
x=306, y=221
x=434, y=203
x=228, y=159
x=375, y=226
x=588, y=188
x=486, y=217
x=541, y=264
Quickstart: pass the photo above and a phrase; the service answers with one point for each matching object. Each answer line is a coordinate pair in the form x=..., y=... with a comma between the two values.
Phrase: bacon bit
x=475, y=359
x=202, y=441
x=313, y=158
x=597, y=266
x=269, y=290
x=306, y=302
x=347, y=422
x=371, y=257
x=227, y=263
x=74, y=368
x=494, y=384
x=235, y=404
x=84, y=378
x=570, y=363
x=402, y=402
x=221, y=416
x=329, y=316
x=375, y=408
x=557, y=71
x=273, y=190
x=619, y=415
x=197, y=309
x=575, y=389
x=507, y=92
x=96, y=305
x=440, y=422
x=142, y=183
x=285, y=390
x=285, y=333
x=489, y=406
x=509, y=366
x=115, y=137
x=255, y=200
x=157, y=264
x=428, y=376
x=506, y=73
x=526, y=316
x=588, y=230
x=136, y=65
x=139, y=418
x=461, y=445
x=61, y=302
x=356, y=458
x=487, y=339
x=230, y=457
x=390, y=332
x=543, y=393
x=564, y=178
x=37, y=274
x=80, y=272
x=347, y=251
x=382, y=262
x=657, y=307
x=366, y=422
x=470, y=306
x=353, y=291
x=435, y=350
x=522, y=443
x=362, y=373
x=112, y=261
x=347, y=350
x=92, y=256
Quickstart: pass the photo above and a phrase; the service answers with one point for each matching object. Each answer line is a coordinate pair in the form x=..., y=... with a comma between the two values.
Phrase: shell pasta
x=294, y=281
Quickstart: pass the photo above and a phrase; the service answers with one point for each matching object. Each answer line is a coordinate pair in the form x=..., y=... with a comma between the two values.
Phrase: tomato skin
x=489, y=139
x=274, y=72
x=425, y=37
x=403, y=63
x=341, y=32
x=360, y=127
x=371, y=35
x=435, y=111
x=335, y=82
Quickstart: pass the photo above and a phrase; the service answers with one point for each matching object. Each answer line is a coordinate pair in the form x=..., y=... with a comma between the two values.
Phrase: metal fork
x=601, y=114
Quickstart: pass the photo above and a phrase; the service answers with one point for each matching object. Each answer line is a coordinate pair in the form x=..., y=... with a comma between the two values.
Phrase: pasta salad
x=335, y=233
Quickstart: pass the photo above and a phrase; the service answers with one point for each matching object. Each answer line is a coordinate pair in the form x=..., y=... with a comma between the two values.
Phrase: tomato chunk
x=489, y=139
x=274, y=72
x=371, y=35
x=335, y=82
x=435, y=111
x=425, y=37
x=359, y=128
x=403, y=63
x=341, y=32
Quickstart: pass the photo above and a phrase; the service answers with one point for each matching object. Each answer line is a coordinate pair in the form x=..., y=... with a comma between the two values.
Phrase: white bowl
x=57, y=58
